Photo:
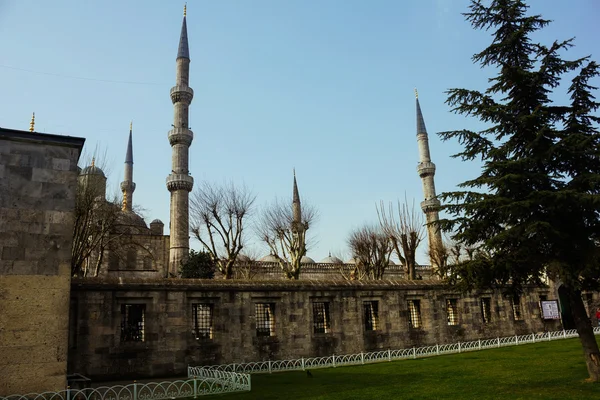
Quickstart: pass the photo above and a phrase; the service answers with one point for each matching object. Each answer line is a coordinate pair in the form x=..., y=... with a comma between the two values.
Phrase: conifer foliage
x=534, y=209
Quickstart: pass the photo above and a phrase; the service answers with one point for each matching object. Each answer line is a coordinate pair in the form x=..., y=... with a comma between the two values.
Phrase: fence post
x=533, y=334
x=389, y=355
x=459, y=347
x=414, y=353
x=135, y=390
x=68, y=392
x=479, y=344
x=516, y=340
x=498, y=342
x=334, y=361
x=564, y=334
x=437, y=349
x=362, y=357
x=302, y=363
x=195, y=388
x=270, y=366
x=548, y=335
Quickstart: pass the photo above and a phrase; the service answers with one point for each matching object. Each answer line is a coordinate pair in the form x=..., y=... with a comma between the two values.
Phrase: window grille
x=203, y=320
x=516, y=306
x=486, y=310
x=414, y=313
x=132, y=322
x=452, y=311
x=265, y=319
x=371, y=315
x=321, y=318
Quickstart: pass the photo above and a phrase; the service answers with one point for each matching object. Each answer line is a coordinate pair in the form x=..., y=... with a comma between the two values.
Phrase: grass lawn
x=552, y=370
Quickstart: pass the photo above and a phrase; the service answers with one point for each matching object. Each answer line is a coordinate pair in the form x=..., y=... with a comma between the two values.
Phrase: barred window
x=452, y=311
x=132, y=322
x=202, y=315
x=321, y=318
x=265, y=319
x=371, y=315
x=516, y=306
x=486, y=310
x=414, y=313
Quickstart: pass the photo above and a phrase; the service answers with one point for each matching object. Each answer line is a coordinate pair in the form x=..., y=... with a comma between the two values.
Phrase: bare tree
x=247, y=265
x=283, y=228
x=218, y=215
x=371, y=248
x=404, y=226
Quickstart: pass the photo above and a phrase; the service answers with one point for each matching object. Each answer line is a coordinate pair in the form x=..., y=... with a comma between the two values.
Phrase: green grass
x=552, y=370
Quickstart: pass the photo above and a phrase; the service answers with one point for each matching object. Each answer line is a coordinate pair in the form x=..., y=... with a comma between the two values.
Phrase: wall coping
x=178, y=284
x=45, y=138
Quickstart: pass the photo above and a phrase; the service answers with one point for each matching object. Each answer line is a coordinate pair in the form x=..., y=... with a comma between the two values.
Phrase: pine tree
x=535, y=207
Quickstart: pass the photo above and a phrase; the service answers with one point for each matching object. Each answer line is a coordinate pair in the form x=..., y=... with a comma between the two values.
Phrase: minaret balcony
x=180, y=182
x=430, y=205
x=127, y=186
x=426, y=169
x=181, y=136
x=181, y=93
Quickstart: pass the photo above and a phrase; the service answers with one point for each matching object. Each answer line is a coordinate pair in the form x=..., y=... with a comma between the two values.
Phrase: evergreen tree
x=534, y=209
x=199, y=265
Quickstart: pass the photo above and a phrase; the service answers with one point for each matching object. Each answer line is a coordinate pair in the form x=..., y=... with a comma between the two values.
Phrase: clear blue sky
x=325, y=86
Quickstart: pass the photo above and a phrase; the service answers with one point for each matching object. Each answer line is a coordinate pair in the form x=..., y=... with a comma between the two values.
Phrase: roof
x=37, y=137
x=184, y=50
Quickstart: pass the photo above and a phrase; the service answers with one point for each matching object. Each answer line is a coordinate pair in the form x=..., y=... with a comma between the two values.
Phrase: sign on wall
x=550, y=309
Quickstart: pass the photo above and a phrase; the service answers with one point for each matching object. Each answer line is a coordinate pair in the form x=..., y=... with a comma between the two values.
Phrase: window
x=321, y=318
x=371, y=315
x=414, y=313
x=132, y=322
x=452, y=311
x=131, y=259
x=147, y=263
x=486, y=310
x=543, y=297
x=516, y=306
x=265, y=319
x=202, y=317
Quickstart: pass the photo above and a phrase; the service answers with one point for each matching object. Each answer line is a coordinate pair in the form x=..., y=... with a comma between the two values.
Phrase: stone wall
x=170, y=342
x=38, y=176
x=137, y=256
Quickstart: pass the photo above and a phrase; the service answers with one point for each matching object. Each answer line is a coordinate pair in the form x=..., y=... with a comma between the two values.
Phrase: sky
x=322, y=86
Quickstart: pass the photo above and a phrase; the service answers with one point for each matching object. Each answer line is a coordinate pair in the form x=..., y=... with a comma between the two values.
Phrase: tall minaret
x=179, y=182
x=128, y=186
x=431, y=204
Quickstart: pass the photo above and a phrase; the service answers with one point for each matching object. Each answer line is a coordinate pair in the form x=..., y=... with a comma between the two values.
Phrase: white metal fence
x=386, y=355
x=204, y=382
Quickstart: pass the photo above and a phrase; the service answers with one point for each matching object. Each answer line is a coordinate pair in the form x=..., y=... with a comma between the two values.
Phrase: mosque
x=139, y=250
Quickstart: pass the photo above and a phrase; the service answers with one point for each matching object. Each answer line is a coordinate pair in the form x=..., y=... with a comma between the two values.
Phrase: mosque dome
x=351, y=261
x=242, y=258
x=92, y=170
x=331, y=260
x=306, y=260
x=391, y=263
x=156, y=222
x=130, y=218
x=269, y=258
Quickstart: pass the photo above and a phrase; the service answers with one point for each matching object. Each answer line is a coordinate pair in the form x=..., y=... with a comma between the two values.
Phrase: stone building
x=38, y=177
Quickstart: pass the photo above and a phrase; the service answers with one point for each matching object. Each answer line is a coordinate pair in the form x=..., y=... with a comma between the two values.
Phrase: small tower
x=431, y=205
x=128, y=186
x=296, y=207
x=179, y=182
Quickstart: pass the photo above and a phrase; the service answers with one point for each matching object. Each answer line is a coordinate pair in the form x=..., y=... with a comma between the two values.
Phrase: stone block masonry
x=134, y=328
x=38, y=176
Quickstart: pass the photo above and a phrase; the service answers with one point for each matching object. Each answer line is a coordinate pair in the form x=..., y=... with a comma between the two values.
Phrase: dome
x=351, y=261
x=306, y=260
x=156, y=222
x=131, y=219
x=92, y=170
x=269, y=258
x=391, y=263
x=331, y=260
x=242, y=258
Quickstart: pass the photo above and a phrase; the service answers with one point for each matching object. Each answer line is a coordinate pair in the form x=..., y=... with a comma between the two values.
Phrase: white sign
x=550, y=309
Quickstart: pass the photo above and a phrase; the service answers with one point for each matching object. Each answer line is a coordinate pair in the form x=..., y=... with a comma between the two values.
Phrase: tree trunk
x=585, y=331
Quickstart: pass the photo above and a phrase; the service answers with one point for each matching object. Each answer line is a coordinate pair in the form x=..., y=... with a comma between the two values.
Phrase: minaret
x=179, y=182
x=128, y=186
x=32, y=123
x=431, y=204
x=296, y=207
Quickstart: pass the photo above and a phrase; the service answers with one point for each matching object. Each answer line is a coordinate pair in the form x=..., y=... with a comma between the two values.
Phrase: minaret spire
x=128, y=186
x=179, y=182
x=296, y=206
x=431, y=204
